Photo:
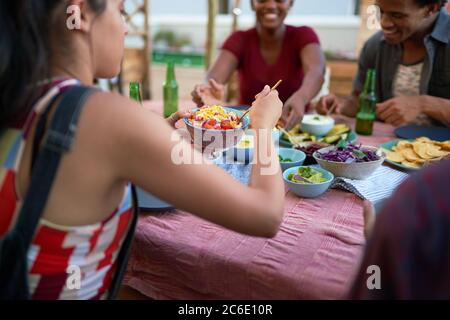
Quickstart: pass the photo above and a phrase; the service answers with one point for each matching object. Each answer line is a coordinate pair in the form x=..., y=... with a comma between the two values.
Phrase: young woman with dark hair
x=117, y=142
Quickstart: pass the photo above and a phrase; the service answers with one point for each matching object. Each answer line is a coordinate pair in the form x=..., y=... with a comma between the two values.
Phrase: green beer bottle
x=367, y=101
x=170, y=90
x=135, y=92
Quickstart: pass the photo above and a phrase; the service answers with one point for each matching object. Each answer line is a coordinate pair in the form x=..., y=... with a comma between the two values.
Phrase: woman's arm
x=213, y=90
x=223, y=67
x=143, y=152
x=313, y=63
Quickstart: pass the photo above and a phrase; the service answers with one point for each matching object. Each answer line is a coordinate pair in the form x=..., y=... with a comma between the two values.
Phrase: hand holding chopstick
x=272, y=89
x=331, y=110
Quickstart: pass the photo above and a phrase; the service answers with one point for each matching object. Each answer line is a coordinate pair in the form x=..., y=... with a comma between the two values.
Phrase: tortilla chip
x=445, y=145
x=409, y=164
x=402, y=145
x=410, y=155
x=422, y=161
x=395, y=156
x=423, y=139
x=418, y=153
x=435, y=151
x=421, y=149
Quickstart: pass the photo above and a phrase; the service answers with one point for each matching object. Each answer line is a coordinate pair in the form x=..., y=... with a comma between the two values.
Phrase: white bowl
x=216, y=138
x=244, y=153
x=354, y=170
x=316, y=124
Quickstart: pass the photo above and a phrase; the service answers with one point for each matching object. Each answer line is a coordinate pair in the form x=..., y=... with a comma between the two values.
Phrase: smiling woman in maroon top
x=266, y=53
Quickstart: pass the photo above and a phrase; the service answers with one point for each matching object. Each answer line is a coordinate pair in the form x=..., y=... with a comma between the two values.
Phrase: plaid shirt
x=411, y=241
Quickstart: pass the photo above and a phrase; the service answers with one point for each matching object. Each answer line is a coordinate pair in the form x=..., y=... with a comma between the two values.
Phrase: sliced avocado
x=332, y=139
x=338, y=129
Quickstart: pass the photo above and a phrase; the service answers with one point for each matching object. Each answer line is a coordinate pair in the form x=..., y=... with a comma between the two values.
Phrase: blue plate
x=414, y=131
x=388, y=146
x=148, y=202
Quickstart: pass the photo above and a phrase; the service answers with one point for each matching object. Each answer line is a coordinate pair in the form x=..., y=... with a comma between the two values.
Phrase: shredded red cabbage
x=348, y=154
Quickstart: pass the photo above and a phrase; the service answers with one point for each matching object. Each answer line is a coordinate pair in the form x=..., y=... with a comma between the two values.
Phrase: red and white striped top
x=59, y=254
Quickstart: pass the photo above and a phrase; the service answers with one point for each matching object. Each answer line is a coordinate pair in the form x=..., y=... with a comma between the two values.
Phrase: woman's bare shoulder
x=112, y=110
x=114, y=117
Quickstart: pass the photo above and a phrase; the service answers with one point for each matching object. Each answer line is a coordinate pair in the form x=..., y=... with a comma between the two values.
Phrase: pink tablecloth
x=315, y=255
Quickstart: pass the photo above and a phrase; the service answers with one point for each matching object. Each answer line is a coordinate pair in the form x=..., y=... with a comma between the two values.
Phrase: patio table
x=315, y=254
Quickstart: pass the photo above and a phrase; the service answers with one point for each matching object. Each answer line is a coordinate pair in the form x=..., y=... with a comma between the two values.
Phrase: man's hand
x=400, y=110
x=293, y=111
x=211, y=93
x=328, y=102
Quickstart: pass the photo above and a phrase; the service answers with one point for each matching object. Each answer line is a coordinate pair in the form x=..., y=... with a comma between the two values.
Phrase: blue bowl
x=217, y=139
x=297, y=157
x=308, y=190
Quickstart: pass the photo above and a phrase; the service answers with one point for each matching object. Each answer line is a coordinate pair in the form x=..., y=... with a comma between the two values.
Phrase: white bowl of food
x=316, y=124
x=216, y=127
x=243, y=150
x=351, y=161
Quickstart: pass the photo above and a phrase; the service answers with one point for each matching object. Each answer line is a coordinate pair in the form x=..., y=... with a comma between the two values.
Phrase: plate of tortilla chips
x=414, y=154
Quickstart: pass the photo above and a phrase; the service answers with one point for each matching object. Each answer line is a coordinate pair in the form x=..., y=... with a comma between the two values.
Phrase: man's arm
x=437, y=108
x=349, y=105
x=402, y=110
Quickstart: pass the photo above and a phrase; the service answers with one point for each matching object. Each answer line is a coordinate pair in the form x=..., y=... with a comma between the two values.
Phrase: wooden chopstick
x=288, y=135
x=330, y=111
x=273, y=88
x=276, y=85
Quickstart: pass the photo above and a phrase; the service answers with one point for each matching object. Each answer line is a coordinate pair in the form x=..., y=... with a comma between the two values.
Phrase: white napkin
x=379, y=186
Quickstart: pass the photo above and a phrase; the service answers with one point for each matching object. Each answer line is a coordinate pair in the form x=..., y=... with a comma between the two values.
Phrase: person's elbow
x=273, y=217
x=274, y=227
x=264, y=214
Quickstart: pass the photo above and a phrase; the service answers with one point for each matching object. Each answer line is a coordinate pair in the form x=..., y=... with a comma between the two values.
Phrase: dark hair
x=25, y=32
x=423, y=3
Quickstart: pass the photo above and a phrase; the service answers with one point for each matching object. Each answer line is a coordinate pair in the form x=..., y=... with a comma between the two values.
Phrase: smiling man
x=411, y=55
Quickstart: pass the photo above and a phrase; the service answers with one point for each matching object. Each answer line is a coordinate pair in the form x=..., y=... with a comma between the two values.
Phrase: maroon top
x=255, y=73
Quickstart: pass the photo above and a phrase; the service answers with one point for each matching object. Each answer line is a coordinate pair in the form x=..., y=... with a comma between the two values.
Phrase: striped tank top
x=64, y=262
